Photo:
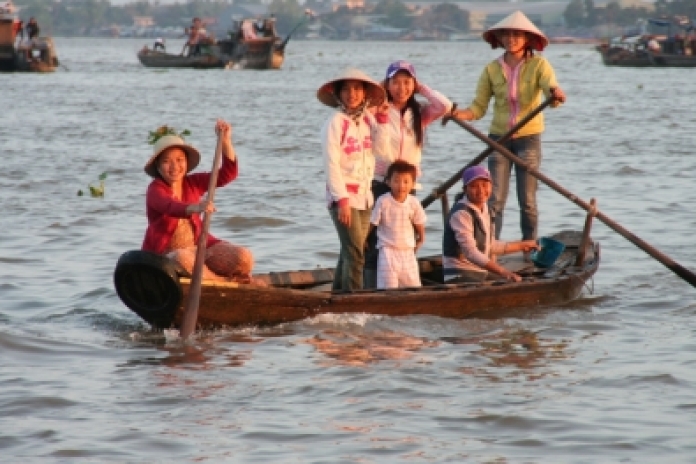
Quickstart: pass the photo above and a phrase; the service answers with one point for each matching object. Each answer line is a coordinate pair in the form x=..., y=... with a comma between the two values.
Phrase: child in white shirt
x=400, y=222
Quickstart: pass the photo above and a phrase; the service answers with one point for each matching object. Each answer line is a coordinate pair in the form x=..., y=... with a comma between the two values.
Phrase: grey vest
x=450, y=246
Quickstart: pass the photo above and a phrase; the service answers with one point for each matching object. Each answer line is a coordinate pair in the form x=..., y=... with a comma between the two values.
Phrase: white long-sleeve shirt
x=348, y=160
x=397, y=140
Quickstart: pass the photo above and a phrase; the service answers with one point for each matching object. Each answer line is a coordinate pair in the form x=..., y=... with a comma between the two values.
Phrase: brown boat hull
x=152, y=287
x=243, y=305
x=17, y=59
x=622, y=57
x=230, y=304
x=261, y=53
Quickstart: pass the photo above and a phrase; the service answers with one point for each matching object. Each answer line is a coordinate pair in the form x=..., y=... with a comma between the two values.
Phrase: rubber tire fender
x=148, y=284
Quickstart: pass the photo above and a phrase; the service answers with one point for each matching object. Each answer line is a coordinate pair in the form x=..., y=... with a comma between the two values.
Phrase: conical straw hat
x=520, y=22
x=373, y=91
x=169, y=141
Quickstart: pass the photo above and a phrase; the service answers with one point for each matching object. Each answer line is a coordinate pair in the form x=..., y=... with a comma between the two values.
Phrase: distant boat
x=38, y=55
x=649, y=50
x=260, y=48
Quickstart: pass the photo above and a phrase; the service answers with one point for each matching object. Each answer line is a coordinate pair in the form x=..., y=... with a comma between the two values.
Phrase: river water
x=608, y=378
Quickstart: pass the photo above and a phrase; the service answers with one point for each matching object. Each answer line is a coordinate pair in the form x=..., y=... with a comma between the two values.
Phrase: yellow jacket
x=536, y=76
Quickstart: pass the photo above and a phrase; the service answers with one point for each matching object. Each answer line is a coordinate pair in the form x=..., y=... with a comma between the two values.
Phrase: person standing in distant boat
x=159, y=44
x=18, y=31
x=174, y=205
x=515, y=82
x=33, y=30
x=346, y=142
x=197, y=35
x=402, y=137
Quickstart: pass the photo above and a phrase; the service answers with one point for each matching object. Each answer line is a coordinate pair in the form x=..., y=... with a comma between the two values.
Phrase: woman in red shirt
x=174, y=204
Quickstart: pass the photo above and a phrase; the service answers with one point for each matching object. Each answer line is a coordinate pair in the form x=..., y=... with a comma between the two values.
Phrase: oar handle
x=188, y=324
x=668, y=262
x=445, y=186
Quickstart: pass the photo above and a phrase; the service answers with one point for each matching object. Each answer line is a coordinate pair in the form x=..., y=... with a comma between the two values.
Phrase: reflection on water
x=360, y=349
x=522, y=350
x=605, y=379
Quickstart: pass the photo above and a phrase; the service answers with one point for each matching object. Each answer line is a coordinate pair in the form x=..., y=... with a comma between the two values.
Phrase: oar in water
x=668, y=262
x=308, y=14
x=191, y=313
x=445, y=186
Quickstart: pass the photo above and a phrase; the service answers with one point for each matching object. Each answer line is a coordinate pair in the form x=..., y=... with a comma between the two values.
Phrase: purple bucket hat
x=475, y=172
x=401, y=65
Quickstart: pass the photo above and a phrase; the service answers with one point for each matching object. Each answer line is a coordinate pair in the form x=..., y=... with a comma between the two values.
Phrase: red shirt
x=164, y=211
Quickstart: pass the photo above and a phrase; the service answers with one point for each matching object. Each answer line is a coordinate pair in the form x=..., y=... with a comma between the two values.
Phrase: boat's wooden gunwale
x=248, y=305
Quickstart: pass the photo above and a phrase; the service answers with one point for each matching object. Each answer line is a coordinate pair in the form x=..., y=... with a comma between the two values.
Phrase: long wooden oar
x=445, y=186
x=191, y=313
x=307, y=15
x=668, y=262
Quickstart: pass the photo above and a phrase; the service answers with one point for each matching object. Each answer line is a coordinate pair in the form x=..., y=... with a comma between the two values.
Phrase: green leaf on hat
x=154, y=136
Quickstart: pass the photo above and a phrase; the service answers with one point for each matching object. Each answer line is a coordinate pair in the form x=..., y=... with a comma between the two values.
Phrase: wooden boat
x=669, y=49
x=39, y=55
x=265, y=51
x=157, y=59
x=152, y=287
x=633, y=57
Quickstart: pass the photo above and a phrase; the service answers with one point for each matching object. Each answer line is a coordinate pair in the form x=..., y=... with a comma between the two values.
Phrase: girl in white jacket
x=401, y=137
x=349, y=165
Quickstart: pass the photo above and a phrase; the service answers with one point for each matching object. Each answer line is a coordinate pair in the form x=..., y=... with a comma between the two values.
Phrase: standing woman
x=515, y=81
x=400, y=136
x=346, y=141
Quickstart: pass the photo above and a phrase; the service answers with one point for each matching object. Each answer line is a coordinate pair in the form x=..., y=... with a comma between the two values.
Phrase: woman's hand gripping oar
x=445, y=186
x=188, y=324
x=668, y=262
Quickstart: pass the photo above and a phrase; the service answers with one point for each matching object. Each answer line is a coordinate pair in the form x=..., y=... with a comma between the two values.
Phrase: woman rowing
x=174, y=203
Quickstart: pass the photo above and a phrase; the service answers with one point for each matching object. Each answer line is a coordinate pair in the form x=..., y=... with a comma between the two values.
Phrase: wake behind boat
x=152, y=287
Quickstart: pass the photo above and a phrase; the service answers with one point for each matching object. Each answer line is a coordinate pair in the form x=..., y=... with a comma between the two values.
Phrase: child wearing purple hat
x=469, y=243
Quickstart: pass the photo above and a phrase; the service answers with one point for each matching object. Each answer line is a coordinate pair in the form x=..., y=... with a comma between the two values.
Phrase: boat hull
x=296, y=295
x=42, y=51
x=156, y=59
x=618, y=56
x=264, y=53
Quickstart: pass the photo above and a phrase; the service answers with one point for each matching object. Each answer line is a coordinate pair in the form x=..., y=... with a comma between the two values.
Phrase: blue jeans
x=529, y=149
x=351, y=260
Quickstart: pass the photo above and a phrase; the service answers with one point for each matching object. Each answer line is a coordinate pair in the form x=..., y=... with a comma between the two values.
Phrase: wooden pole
x=445, y=186
x=585, y=240
x=668, y=262
x=188, y=324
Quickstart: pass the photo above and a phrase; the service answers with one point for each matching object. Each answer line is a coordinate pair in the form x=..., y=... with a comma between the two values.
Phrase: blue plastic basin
x=550, y=251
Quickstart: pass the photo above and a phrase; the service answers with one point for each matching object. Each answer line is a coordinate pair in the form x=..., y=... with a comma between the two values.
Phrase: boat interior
x=321, y=279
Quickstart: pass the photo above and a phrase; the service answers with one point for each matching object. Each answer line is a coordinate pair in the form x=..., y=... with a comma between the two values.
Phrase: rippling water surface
x=608, y=378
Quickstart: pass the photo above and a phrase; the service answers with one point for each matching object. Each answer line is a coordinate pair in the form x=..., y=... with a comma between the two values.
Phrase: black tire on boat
x=148, y=284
